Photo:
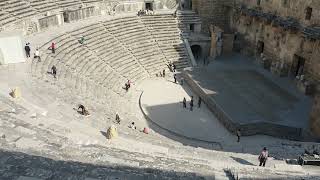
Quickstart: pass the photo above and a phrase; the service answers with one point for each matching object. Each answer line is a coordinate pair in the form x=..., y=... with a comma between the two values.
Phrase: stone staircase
x=167, y=34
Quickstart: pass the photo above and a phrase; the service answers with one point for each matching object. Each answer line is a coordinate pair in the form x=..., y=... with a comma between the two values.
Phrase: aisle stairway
x=167, y=34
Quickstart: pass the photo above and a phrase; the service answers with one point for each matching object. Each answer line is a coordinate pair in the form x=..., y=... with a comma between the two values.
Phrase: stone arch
x=197, y=52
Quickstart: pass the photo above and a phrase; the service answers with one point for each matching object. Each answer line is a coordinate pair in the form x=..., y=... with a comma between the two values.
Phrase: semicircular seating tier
x=113, y=52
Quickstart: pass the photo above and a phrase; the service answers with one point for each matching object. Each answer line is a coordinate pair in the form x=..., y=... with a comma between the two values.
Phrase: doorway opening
x=191, y=27
x=196, y=51
x=298, y=66
x=260, y=47
x=65, y=16
x=149, y=6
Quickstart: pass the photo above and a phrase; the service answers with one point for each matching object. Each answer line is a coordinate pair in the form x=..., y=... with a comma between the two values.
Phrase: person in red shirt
x=53, y=47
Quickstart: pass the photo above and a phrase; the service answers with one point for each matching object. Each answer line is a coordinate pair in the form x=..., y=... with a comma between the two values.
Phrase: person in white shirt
x=37, y=55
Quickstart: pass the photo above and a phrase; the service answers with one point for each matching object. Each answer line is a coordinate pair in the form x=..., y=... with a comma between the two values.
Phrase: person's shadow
x=104, y=134
x=242, y=161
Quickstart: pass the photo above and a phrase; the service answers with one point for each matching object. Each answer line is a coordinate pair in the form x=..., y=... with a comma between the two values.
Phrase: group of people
x=27, y=49
x=162, y=73
x=172, y=67
x=184, y=103
x=145, y=12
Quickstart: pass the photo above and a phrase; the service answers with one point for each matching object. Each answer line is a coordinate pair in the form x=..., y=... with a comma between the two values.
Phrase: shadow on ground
x=16, y=164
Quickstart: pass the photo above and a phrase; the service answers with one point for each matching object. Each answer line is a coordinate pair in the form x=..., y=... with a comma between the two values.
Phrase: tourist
x=54, y=71
x=181, y=81
x=175, y=78
x=126, y=86
x=81, y=40
x=263, y=157
x=83, y=110
x=184, y=102
x=174, y=67
x=164, y=73
x=199, y=102
x=132, y=126
x=37, y=55
x=191, y=103
x=27, y=49
x=52, y=47
x=129, y=83
x=146, y=130
x=238, y=135
x=117, y=118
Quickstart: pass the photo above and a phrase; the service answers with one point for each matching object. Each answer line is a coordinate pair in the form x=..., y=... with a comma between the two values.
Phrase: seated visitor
x=81, y=40
x=84, y=111
x=132, y=126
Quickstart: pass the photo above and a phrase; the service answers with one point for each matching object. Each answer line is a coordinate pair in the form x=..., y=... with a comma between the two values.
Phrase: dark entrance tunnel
x=196, y=51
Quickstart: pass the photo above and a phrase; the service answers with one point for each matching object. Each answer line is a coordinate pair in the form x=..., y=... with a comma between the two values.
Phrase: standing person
x=238, y=135
x=191, y=103
x=27, y=49
x=174, y=67
x=129, y=83
x=164, y=73
x=199, y=102
x=37, y=55
x=117, y=118
x=54, y=71
x=263, y=157
x=175, y=78
x=53, y=47
x=184, y=102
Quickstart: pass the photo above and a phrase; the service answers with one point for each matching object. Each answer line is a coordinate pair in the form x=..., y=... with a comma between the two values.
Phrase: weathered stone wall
x=48, y=21
x=214, y=12
x=280, y=46
x=283, y=46
x=291, y=8
x=78, y=14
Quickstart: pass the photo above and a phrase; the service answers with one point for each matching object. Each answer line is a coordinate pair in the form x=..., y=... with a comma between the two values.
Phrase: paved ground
x=162, y=102
x=249, y=94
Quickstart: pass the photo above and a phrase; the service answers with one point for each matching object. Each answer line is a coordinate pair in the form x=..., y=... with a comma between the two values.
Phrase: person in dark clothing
x=126, y=86
x=27, y=49
x=54, y=71
x=191, y=104
x=117, y=119
x=175, y=78
x=184, y=102
x=263, y=157
x=199, y=102
x=238, y=135
x=164, y=73
x=174, y=67
x=83, y=110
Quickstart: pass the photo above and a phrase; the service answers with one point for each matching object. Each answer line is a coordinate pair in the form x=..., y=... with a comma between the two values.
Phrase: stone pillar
x=228, y=43
x=315, y=116
x=216, y=35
